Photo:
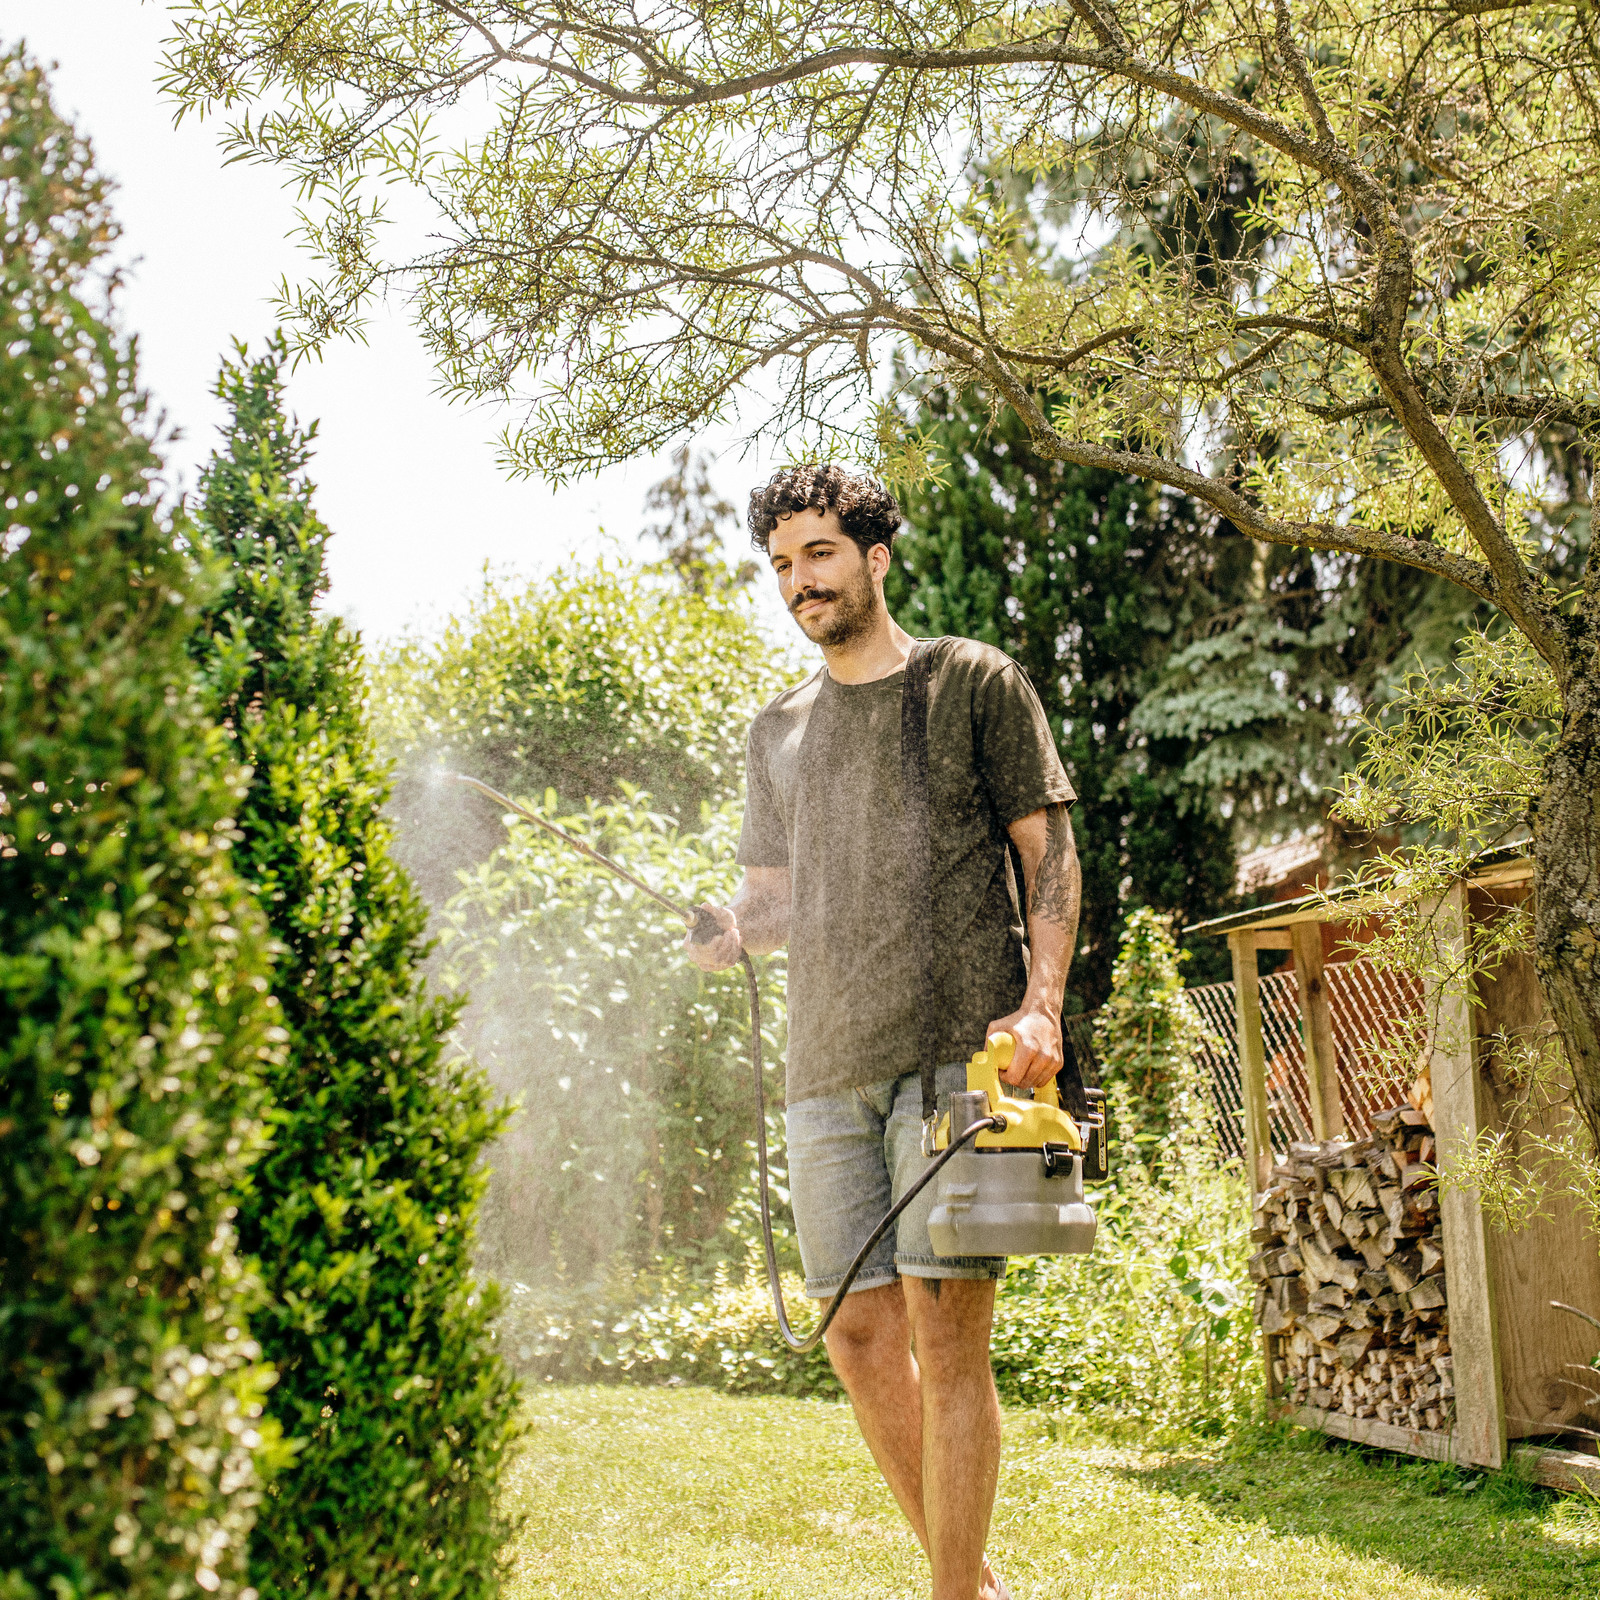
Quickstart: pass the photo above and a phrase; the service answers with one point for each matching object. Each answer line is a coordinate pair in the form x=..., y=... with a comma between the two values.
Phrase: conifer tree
x=133, y=1006
x=1147, y=1035
x=361, y=1214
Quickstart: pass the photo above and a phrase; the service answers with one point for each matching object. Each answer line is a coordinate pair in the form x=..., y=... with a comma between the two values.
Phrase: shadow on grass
x=1495, y=1532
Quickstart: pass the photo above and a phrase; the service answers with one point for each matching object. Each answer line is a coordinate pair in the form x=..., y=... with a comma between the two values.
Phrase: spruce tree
x=361, y=1214
x=133, y=1006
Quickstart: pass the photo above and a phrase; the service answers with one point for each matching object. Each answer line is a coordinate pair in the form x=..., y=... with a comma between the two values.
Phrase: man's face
x=829, y=585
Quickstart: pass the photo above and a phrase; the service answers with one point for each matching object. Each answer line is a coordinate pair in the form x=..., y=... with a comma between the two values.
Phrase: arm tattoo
x=1054, y=896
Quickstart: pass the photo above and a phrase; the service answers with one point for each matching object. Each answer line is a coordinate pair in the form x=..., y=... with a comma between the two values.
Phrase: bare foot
x=992, y=1587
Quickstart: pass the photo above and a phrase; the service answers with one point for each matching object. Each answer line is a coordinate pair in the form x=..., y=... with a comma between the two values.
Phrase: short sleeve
x=764, y=835
x=1017, y=756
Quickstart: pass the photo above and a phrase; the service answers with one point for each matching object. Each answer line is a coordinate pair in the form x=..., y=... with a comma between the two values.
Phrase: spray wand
x=703, y=928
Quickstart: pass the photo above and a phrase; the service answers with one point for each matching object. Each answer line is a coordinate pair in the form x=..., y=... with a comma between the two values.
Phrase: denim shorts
x=851, y=1156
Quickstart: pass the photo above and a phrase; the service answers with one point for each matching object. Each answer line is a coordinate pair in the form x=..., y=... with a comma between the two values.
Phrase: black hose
x=812, y=1339
x=704, y=927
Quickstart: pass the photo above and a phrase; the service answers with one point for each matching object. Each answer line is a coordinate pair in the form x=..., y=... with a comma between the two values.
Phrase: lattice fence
x=1367, y=1004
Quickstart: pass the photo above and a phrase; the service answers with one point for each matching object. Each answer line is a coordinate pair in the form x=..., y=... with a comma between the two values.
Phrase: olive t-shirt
x=825, y=800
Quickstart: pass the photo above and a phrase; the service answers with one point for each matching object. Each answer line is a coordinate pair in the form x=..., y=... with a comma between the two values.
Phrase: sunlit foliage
x=1454, y=766
x=135, y=1016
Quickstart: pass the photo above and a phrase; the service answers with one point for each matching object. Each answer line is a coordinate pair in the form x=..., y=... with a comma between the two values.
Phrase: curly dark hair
x=866, y=510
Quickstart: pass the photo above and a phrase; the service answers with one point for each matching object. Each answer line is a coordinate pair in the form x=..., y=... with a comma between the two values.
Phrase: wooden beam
x=1503, y=876
x=1566, y=1470
x=1368, y=1430
x=1252, y=1062
x=1559, y=1469
x=1316, y=1029
x=1552, y=1257
x=1461, y=1110
x=1273, y=939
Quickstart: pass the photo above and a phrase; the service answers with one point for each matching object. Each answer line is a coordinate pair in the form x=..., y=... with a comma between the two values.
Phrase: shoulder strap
x=1069, y=1080
x=919, y=856
x=919, y=878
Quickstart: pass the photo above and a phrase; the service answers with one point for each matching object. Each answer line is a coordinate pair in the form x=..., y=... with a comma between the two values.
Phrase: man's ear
x=878, y=561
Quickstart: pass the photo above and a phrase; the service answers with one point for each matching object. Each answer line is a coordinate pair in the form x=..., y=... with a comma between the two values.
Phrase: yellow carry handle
x=1030, y=1124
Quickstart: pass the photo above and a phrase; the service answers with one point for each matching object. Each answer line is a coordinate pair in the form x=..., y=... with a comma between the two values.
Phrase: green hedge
x=720, y=1333
x=361, y=1214
x=134, y=1010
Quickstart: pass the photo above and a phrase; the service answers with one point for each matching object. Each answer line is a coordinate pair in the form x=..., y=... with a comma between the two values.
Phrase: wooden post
x=1461, y=1110
x=1316, y=1029
x=1252, y=1062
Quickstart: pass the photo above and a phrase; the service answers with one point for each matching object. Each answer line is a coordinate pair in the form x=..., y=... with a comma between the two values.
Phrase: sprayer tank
x=1004, y=1203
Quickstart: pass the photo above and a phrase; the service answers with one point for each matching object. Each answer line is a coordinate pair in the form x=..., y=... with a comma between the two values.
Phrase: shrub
x=720, y=1333
x=636, y=1140
x=1146, y=1036
x=135, y=1012
x=1152, y=1332
x=586, y=682
x=361, y=1214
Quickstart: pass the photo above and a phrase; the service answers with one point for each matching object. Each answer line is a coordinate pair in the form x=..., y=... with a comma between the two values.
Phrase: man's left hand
x=1038, y=1054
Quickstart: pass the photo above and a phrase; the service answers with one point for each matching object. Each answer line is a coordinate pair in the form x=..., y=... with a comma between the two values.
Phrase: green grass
x=656, y=1494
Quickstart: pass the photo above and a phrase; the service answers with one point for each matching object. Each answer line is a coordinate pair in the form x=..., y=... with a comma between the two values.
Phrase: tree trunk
x=1566, y=841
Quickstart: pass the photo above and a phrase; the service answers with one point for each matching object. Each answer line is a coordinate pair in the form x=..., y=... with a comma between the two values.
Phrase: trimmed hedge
x=361, y=1214
x=134, y=1011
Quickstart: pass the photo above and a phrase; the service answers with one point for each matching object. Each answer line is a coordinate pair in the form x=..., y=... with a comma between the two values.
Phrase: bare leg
x=870, y=1346
x=950, y=1323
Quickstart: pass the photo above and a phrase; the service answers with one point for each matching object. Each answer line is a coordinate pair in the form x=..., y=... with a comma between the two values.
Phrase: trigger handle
x=705, y=927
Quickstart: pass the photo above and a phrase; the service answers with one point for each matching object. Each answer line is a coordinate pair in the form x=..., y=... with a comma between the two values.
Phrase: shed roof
x=1505, y=863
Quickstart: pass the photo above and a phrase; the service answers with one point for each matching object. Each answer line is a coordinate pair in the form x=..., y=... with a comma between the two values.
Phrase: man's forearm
x=763, y=915
x=1054, y=893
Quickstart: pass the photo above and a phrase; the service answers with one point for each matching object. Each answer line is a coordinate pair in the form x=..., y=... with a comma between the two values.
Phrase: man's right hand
x=715, y=954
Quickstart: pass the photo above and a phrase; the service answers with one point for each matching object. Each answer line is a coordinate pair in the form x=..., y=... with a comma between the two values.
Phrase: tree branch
x=1061, y=363
x=1294, y=61
x=1247, y=517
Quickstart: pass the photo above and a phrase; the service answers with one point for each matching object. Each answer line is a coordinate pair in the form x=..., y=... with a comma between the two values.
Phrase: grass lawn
x=655, y=1494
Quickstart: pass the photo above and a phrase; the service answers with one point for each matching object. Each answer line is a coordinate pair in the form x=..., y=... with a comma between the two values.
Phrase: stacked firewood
x=1350, y=1277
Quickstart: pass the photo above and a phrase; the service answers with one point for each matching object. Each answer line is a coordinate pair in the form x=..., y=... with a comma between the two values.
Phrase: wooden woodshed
x=1516, y=1359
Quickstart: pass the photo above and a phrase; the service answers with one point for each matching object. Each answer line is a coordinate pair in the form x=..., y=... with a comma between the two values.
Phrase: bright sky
x=407, y=481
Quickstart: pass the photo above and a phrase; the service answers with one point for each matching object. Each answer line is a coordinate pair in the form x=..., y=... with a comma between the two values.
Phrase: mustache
x=812, y=594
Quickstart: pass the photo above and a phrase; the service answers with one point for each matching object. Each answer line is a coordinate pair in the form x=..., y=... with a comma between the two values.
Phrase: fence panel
x=1219, y=1056
x=1368, y=1005
x=1371, y=1007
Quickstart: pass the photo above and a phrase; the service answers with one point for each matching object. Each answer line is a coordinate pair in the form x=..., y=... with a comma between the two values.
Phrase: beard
x=852, y=615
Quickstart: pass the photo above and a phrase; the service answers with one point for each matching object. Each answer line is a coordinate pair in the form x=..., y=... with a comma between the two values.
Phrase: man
x=825, y=874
